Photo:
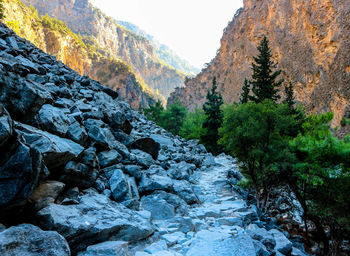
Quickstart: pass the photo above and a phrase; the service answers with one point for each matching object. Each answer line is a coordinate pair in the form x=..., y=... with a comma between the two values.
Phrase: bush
x=192, y=127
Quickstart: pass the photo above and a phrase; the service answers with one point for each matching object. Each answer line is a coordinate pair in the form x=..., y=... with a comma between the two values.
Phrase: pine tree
x=214, y=119
x=290, y=100
x=264, y=85
x=245, y=92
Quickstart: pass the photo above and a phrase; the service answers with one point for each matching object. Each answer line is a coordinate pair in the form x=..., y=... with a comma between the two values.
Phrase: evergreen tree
x=213, y=121
x=264, y=85
x=153, y=113
x=290, y=100
x=245, y=92
x=173, y=118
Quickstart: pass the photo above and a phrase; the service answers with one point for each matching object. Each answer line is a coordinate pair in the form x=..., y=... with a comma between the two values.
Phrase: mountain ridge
x=310, y=46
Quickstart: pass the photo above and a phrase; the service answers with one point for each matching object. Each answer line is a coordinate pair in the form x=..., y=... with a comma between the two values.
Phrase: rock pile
x=94, y=177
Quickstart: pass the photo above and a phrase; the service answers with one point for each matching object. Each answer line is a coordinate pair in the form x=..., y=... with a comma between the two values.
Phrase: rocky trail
x=81, y=173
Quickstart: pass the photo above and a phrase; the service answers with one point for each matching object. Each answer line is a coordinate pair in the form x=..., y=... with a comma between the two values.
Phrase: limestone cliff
x=309, y=39
x=54, y=37
x=117, y=41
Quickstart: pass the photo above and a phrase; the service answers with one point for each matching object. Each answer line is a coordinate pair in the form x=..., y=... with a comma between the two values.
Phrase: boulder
x=109, y=248
x=30, y=240
x=78, y=174
x=95, y=219
x=147, y=145
x=183, y=189
x=55, y=150
x=119, y=186
x=19, y=174
x=150, y=183
x=156, y=247
x=133, y=170
x=108, y=158
x=142, y=158
x=159, y=208
x=77, y=133
x=23, y=99
x=54, y=120
x=283, y=245
x=181, y=171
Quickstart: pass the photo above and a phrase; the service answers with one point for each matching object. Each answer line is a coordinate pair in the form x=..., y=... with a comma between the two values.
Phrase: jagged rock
x=30, y=240
x=78, y=174
x=173, y=238
x=159, y=208
x=100, y=133
x=162, y=140
x=109, y=248
x=178, y=203
x=55, y=150
x=155, y=182
x=119, y=185
x=181, y=171
x=108, y=158
x=6, y=126
x=22, y=99
x=283, y=245
x=19, y=174
x=46, y=193
x=184, y=190
x=133, y=170
x=95, y=219
x=156, y=247
x=90, y=158
x=147, y=145
x=142, y=158
x=54, y=120
x=77, y=133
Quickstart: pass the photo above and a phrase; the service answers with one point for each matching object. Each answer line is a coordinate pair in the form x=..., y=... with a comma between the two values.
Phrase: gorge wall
x=116, y=41
x=309, y=39
x=54, y=37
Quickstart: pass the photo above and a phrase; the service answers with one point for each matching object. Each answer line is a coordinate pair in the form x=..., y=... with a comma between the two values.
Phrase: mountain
x=117, y=42
x=309, y=39
x=84, y=56
x=163, y=52
x=81, y=173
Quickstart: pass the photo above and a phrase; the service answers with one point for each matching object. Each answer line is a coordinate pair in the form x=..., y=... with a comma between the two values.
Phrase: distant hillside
x=80, y=53
x=163, y=52
x=116, y=41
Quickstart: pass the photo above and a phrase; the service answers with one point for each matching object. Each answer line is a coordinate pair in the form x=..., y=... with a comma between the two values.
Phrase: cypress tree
x=264, y=85
x=245, y=92
x=290, y=100
x=214, y=119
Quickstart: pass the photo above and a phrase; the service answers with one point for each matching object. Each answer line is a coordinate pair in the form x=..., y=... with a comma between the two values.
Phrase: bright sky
x=192, y=28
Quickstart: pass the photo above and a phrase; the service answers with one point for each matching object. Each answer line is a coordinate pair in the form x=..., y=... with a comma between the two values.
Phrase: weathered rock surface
x=310, y=41
x=95, y=219
x=30, y=240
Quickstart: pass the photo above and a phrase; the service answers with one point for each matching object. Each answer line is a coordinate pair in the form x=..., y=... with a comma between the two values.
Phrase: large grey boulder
x=119, y=185
x=181, y=171
x=19, y=174
x=109, y=248
x=220, y=244
x=23, y=99
x=77, y=133
x=54, y=120
x=142, y=158
x=55, y=150
x=150, y=183
x=108, y=158
x=183, y=189
x=283, y=245
x=159, y=208
x=95, y=219
x=29, y=240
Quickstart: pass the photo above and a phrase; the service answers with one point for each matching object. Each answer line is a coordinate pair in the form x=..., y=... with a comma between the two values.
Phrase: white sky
x=192, y=28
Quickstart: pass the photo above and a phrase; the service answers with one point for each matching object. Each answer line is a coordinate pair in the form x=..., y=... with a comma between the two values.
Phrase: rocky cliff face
x=309, y=39
x=118, y=42
x=81, y=173
x=54, y=37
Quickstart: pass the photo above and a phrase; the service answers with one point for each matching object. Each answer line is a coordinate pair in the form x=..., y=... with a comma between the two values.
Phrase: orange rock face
x=309, y=39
